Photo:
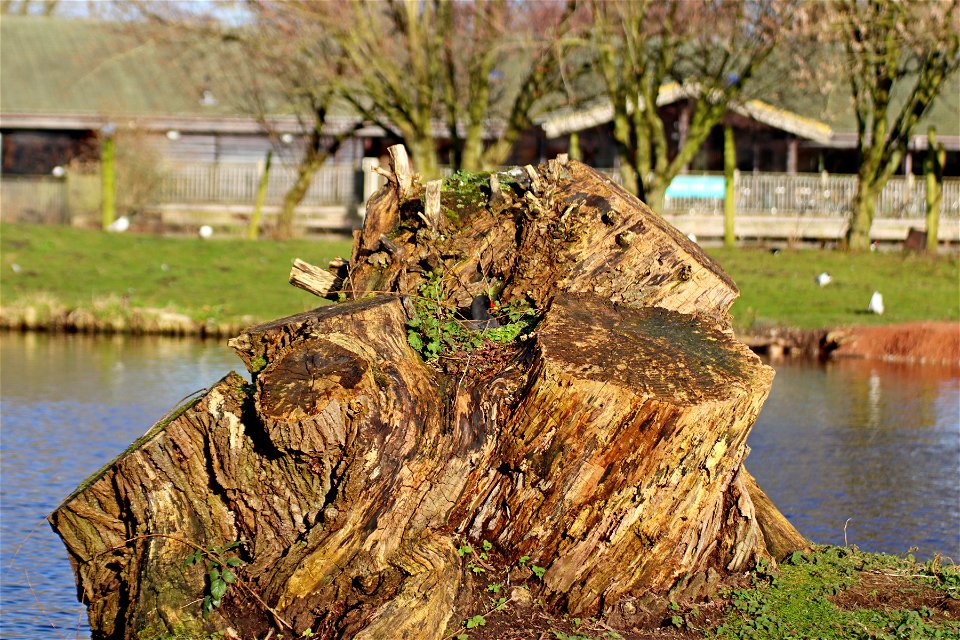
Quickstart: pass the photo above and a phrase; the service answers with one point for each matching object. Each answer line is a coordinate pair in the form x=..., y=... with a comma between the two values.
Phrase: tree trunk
x=297, y=192
x=253, y=230
x=933, y=179
x=729, y=190
x=605, y=448
x=861, y=218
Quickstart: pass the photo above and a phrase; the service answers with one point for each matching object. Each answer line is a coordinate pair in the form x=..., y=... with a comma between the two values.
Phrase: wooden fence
x=195, y=194
x=40, y=199
x=196, y=183
x=818, y=195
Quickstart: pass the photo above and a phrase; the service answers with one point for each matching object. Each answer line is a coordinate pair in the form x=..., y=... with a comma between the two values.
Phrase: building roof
x=58, y=73
x=600, y=112
x=81, y=67
x=74, y=73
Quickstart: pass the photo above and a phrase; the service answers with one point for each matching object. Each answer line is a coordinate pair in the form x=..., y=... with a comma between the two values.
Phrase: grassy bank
x=779, y=289
x=52, y=269
x=220, y=281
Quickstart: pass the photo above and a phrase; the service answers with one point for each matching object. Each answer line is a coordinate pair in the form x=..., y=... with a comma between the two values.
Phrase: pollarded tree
x=707, y=52
x=898, y=55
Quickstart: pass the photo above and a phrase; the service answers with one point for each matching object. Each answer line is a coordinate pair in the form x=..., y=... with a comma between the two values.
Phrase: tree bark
x=861, y=218
x=606, y=447
x=933, y=180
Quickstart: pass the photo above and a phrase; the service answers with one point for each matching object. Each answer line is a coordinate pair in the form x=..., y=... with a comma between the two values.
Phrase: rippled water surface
x=874, y=443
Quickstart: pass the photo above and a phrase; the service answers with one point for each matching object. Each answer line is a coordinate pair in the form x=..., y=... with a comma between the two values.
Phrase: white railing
x=44, y=198
x=34, y=199
x=231, y=183
x=821, y=195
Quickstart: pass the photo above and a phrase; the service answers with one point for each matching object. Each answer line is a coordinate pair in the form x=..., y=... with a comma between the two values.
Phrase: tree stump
x=603, y=445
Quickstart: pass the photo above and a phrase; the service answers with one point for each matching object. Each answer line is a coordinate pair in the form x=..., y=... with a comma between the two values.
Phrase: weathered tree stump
x=606, y=446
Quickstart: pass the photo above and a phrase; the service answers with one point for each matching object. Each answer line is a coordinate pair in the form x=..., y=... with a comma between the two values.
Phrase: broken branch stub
x=308, y=277
x=606, y=445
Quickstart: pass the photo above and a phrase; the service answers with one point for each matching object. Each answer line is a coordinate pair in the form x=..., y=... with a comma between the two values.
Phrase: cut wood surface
x=604, y=446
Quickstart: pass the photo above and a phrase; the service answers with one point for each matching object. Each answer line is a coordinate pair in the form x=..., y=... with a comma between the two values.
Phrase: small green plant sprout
x=486, y=547
x=560, y=635
x=495, y=587
x=307, y=633
x=464, y=549
x=523, y=561
x=475, y=568
x=538, y=571
x=220, y=574
x=474, y=622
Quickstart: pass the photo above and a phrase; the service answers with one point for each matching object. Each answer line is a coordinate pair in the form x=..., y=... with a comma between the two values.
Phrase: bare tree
x=705, y=53
x=898, y=55
x=28, y=7
x=284, y=62
x=439, y=68
x=297, y=64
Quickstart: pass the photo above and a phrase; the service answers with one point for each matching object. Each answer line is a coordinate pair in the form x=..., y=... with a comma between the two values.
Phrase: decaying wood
x=607, y=447
x=431, y=206
x=308, y=277
x=402, y=170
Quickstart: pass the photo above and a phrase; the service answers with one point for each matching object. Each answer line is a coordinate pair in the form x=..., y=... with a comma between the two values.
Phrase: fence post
x=254, y=229
x=108, y=176
x=371, y=181
x=729, y=191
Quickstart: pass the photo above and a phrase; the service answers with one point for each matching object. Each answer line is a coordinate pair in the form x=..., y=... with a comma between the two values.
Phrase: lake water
x=873, y=443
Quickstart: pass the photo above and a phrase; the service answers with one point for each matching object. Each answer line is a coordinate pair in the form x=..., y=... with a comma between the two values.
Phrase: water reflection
x=69, y=405
x=875, y=442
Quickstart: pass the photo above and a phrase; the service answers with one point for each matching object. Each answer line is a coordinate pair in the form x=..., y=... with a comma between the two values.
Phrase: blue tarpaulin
x=696, y=187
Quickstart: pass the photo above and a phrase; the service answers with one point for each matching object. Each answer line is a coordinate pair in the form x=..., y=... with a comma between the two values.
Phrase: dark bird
x=480, y=313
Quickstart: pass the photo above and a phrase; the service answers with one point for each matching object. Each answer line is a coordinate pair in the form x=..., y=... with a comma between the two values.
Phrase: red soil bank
x=929, y=342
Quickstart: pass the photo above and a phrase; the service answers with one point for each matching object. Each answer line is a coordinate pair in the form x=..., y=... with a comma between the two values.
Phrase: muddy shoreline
x=928, y=342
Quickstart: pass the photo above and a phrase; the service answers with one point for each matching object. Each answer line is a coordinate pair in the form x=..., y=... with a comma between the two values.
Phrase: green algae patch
x=841, y=592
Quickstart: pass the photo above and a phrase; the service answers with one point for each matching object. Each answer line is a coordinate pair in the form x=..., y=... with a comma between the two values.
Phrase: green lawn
x=219, y=279
x=228, y=279
x=780, y=289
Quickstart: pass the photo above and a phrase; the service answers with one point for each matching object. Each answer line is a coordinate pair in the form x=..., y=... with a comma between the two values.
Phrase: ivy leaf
x=217, y=589
x=475, y=621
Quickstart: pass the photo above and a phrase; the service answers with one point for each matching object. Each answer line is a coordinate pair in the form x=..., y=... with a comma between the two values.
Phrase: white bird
x=119, y=225
x=206, y=231
x=876, y=304
x=692, y=237
x=823, y=279
x=16, y=268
